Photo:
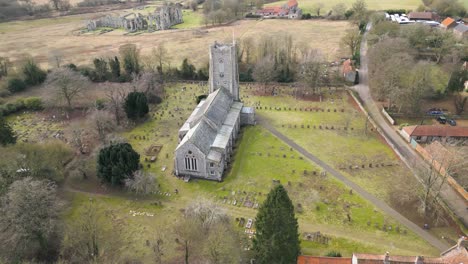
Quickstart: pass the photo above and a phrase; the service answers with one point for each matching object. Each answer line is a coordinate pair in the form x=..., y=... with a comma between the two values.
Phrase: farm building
x=207, y=138
x=461, y=31
x=289, y=10
x=349, y=73
x=428, y=133
x=429, y=16
x=448, y=23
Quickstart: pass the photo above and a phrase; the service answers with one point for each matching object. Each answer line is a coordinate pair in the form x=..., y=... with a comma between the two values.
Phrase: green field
x=191, y=19
x=307, y=5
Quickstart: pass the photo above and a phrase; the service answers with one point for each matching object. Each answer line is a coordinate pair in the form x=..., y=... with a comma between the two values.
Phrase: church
x=207, y=138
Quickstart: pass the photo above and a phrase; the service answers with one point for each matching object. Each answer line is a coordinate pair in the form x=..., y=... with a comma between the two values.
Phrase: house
x=428, y=16
x=461, y=31
x=448, y=23
x=390, y=259
x=289, y=10
x=207, y=138
x=322, y=260
x=428, y=133
x=457, y=254
x=349, y=73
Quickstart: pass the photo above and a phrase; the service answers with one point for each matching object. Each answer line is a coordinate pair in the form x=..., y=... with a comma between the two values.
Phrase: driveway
x=454, y=201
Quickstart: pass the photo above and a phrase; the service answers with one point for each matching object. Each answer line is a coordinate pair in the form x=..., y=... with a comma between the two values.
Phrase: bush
x=16, y=85
x=334, y=254
x=396, y=11
x=253, y=16
x=306, y=16
x=33, y=103
x=201, y=97
x=154, y=99
x=99, y=104
x=33, y=74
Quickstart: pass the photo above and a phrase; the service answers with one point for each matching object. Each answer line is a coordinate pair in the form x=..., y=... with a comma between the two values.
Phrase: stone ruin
x=162, y=18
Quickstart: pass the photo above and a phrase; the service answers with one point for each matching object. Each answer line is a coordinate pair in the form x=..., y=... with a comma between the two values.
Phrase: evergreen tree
x=7, y=135
x=136, y=105
x=187, y=71
x=117, y=163
x=277, y=238
x=115, y=67
x=33, y=75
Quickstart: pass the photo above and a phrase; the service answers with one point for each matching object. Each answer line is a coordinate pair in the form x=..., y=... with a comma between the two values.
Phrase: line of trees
x=411, y=63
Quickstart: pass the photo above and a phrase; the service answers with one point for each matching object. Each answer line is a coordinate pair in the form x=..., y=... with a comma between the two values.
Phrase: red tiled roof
x=292, y=3
x=322, y=260
x=421, y=15
x=437, y=131
x=347, y=66
x=378, y=259
x=448, y=21
x=270, y=9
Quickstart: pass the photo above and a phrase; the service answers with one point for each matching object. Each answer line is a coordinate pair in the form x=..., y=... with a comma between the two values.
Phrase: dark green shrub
x=117, y=163
x=16, y=85
x=136, y=105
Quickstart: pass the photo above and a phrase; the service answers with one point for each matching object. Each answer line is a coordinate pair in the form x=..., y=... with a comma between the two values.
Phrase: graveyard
x=345, y=220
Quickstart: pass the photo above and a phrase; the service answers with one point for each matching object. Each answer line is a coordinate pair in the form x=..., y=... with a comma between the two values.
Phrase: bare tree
x=148, y=83
x=460, y=103
x=77, y=137
x=311, y=69
x=205, y=233
x=264, y=71
x=4, y=66
x=158, y=60
x=351, y=40
x=94, y=237
x=102, y=123
x=116, y=98
x=66, y=85
x=55, y=58
x=56, y=3
x=317, y=7
x=142, y=183
x=28, y=218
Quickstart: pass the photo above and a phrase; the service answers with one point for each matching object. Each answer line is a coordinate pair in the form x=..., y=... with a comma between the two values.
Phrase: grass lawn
x=191, y=19
x=307, y=5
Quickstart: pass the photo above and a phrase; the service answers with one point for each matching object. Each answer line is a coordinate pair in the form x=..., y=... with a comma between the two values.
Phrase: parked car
x=435, y=111
x=441, y=119
x=452, y=122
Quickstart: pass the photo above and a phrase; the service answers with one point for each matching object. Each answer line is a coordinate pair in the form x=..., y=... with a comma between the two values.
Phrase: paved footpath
x=442, y=246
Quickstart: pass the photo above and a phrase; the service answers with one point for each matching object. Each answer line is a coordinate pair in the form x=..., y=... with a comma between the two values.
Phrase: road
x=442, y=246
x=454, y=201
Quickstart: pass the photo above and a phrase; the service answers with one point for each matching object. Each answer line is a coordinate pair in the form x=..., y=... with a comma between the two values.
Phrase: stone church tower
x=223, y=68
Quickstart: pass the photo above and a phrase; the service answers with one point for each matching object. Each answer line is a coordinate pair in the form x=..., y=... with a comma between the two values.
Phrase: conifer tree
x=136, y=105
x=7, y=135
x=117, y=163
x=277, y=238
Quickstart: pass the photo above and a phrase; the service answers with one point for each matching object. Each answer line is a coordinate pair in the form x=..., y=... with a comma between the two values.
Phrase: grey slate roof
x=215, y=108
x=461, y=28
x=211, y=124
x=201, y=135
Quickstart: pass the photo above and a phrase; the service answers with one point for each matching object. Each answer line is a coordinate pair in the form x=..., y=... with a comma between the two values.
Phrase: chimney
x=419, y=260
x=463, y=241
x=387, y=258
